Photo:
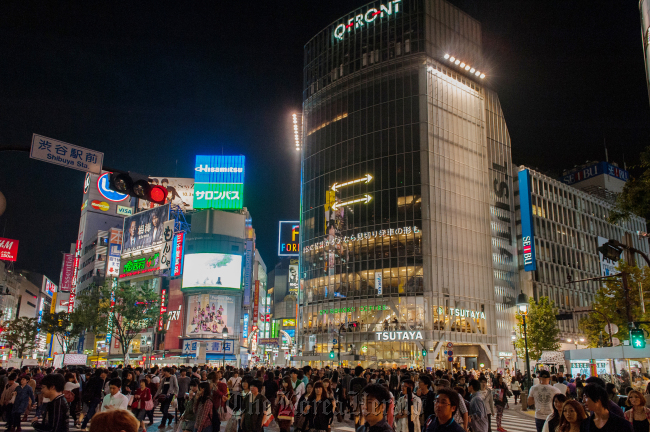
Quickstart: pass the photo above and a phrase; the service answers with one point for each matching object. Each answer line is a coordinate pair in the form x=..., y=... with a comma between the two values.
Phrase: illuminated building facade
x=407, y=205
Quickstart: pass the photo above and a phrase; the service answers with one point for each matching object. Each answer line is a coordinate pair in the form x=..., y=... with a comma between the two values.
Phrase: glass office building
x=407, y=209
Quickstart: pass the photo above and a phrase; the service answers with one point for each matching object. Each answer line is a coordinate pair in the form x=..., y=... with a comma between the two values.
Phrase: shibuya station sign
x=366, y=19
x=362, y=236
x=398, y=335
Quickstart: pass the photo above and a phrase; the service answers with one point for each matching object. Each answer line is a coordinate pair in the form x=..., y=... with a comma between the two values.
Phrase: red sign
x=178, y=253
x=174, y=315
x=8, y=249
x=256, y=300
x=67, y=271
x=163, y=308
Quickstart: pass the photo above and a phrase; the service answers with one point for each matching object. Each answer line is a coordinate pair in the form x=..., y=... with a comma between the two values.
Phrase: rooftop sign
x=367, y=18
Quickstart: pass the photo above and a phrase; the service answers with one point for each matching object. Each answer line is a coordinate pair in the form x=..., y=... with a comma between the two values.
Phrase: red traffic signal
x=137, y=185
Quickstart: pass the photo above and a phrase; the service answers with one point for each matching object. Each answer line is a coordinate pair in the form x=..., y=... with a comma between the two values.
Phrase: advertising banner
x=180, y=192
x=256, y=301
x=8, y=249
x=168, y=242
x=378, y=283
x=163, y=309
x=607, y=266
x=219, y=182
x=144, y=230
x=245, y=330
x=177, y=254
x=174, y=315
x=213, y=346
x=114, y=252
x=208, y=314
x=140, y=265
x=289, y=238
x=48, y=288
x=212, y=270
x=527, y=230
x=293, y=280
x=67, y=270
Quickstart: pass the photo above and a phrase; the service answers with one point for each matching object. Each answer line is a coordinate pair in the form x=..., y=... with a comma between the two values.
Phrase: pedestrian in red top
x=139, y=406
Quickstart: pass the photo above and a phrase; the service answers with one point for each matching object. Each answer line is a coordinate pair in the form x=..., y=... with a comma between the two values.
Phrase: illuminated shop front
x=407, y=203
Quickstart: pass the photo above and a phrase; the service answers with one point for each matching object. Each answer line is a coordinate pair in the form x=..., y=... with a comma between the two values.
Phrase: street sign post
x=65, y=154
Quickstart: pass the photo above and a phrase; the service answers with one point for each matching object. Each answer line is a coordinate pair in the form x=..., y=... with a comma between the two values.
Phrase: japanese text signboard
x=66, y=154
x=177, y=254
x=8, y=249
x=219, y=182
x=213, y=346
x=168, y=240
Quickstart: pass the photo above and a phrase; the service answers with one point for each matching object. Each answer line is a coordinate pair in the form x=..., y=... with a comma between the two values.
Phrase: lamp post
x=514, y=348
x=523, y=305
x=148, y=345
x=224, y=334
x=575, y=341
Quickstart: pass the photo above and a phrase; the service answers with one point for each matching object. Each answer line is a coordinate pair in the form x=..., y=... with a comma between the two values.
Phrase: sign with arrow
x=366, y=199
x=365, y=179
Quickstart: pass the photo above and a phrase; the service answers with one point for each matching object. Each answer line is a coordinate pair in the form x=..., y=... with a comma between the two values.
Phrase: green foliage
x=87, y=315
x=635, y=198
x=610, y=300
x=541, y=329
x=61, y=326
x=135, y=308
x=21, y=333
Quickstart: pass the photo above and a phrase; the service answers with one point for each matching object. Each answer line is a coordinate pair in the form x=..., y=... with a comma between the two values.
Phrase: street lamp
x=523, y=305
x=513, y=336
x=148, y=345
x=224, y=334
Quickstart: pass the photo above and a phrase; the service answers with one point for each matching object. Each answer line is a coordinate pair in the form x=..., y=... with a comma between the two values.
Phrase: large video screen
x=212, y=270
x=208, y=314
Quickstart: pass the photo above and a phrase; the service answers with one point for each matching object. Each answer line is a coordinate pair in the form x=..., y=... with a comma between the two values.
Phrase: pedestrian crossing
x=515, y=422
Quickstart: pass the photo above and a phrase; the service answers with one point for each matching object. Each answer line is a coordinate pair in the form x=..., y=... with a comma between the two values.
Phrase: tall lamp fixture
x=523, y=306
x=514, y=348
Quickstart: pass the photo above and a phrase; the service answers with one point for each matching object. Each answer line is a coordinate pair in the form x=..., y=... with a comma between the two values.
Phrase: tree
x=61, y=326
x=610, y=300
x=87, y=315
x=21, y=333
x=635, y=198
x=541, y=329
x=133, y=308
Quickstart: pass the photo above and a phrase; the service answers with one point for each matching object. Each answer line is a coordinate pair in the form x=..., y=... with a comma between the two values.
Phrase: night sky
x=152, y=86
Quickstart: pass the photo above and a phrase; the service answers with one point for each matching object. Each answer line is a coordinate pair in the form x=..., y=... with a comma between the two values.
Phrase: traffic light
x=138, y=186
x=424, y=353
x=332, y=355
x=637, y=338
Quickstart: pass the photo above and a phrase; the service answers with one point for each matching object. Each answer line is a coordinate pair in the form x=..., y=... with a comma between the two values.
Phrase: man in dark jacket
x=92, y=395
x=601, y=419
x=254, y=407
x=443, y=420
x=374, y=408
x=56, y=417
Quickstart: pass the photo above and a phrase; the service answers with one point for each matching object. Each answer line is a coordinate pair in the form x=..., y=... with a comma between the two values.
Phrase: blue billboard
x=527, y=230
x=219, y=182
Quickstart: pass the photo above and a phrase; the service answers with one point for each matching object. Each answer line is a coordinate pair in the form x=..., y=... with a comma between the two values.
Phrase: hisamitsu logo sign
x=219, y=182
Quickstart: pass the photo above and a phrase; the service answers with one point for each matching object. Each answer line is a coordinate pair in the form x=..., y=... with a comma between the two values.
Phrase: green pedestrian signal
x=424, y=353
x=637, y=338
x=332, y=354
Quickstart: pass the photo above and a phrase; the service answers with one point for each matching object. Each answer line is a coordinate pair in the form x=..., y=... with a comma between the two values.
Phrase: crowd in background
x=202, y=399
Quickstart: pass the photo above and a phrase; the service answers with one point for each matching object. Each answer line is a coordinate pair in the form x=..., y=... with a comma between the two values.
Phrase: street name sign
x=65, y=154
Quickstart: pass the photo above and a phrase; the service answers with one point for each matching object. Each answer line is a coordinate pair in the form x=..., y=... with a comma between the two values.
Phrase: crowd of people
x=201, y=399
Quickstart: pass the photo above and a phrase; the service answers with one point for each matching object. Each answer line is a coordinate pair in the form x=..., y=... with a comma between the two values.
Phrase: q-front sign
x=398, y=335
x=365, y=19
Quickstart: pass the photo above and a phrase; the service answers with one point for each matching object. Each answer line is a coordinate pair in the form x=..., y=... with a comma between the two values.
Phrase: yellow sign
x=288, y=322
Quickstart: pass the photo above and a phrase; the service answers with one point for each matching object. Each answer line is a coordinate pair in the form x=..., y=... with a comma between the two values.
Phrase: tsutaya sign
x=367, y=18
x=466, y=313
x=399, y=335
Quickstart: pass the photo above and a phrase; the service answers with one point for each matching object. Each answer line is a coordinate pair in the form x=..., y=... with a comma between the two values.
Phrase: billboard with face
x=208, y=314
x=144, y=230
x=212, y=270
x=180, y=192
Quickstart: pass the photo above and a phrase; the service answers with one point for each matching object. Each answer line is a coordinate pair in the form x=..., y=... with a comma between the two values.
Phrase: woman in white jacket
x=408, y=409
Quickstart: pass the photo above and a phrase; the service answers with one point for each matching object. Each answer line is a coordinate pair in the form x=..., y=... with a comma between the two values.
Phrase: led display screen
x=212, y=270
x=219, y=182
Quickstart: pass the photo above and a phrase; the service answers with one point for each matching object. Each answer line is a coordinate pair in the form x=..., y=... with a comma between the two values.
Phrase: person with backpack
x=92, y=395
x=356, y=386
x=166, y=391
